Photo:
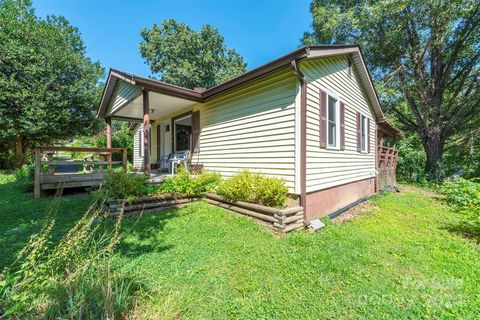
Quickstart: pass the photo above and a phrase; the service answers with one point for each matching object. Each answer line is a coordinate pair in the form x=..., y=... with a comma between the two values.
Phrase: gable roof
x=306, y=52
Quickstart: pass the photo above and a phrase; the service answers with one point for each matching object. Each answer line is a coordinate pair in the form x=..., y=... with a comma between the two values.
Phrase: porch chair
x=178, y=158
x=163, y=163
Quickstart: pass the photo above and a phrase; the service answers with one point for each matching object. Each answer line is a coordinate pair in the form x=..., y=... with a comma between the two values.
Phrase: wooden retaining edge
x=285, y=220
x=289, y=218
x=294, y=226
x=231, y=207
x=131, y=213
x=294, y=218
x=282, y=220
x=292, y=211
x=150, y=205
x=145, y=199
x=246, y=205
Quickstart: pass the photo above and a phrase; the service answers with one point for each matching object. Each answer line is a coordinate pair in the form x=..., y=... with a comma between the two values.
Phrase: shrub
x=24, y=177
x=121, y=185
x=185, y=183
x=254, y=188
x=461, y=193
x=271, y=192
x=74, y=279
x=464, y=195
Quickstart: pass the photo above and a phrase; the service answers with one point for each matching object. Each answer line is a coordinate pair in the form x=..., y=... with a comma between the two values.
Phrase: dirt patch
x=355, y=212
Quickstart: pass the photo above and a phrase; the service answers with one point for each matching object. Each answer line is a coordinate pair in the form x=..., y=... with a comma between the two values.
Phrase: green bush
x=185, y=183
x=24, y=177
x=240, y=187
x=461, y=193
x=121, y=185
x=74, y=279
x=464, y=195
x=254, y=188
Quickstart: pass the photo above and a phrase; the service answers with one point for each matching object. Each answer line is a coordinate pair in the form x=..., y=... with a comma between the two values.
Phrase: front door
x=166, y=136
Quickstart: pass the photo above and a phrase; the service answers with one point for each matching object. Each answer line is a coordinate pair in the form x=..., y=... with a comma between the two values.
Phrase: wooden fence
x=75, y=173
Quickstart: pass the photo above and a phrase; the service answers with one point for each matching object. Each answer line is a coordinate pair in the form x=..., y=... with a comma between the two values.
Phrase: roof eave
x=257, y=73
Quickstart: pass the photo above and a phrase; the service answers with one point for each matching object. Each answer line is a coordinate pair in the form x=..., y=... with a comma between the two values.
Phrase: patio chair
x=163, y=163
x=178, y=158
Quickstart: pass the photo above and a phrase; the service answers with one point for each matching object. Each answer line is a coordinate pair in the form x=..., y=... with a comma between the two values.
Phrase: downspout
x=303, y=137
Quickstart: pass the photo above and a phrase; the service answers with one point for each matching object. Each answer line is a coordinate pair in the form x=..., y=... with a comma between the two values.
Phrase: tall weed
x=74, y=279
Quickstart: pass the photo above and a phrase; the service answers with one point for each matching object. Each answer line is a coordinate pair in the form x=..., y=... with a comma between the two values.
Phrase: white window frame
x=364, y=121
x=335, y=96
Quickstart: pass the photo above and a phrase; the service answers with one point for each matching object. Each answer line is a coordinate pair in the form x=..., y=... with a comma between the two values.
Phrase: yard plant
x=254, y=188
x=73, y=279
x=122, y=185
x=464, y=196
x=185, y=183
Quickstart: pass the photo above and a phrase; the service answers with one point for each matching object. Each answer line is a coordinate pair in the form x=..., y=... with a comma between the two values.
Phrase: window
x=182, y=129
x=363, y=133
x=332, y=122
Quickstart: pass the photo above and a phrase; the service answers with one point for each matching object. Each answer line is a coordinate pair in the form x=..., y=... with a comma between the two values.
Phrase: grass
x=399, y=259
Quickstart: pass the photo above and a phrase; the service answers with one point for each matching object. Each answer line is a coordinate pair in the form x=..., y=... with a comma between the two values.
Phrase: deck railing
x=387, y=157
x=86, y=172
x=386, y=166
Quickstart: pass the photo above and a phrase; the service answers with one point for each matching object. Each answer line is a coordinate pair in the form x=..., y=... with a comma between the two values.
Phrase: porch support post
x=108, y=122
x=146, y=133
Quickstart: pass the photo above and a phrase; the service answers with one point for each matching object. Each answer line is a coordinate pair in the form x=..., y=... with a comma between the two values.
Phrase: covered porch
x=165, y=121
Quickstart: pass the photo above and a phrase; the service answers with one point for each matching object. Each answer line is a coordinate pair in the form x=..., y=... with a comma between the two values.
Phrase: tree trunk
x=433, y=145
x=20, y=152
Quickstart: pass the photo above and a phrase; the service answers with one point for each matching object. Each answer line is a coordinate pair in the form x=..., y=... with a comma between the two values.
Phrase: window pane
x=332, y=133
x=182, y=130
x=332, y=122
x=331, y=109
x=363, y=132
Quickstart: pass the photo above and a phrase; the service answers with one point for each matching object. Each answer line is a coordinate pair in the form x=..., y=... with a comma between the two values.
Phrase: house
x=309, y=117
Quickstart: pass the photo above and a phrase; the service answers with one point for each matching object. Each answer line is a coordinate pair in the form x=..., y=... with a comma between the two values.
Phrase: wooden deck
x=53, y=171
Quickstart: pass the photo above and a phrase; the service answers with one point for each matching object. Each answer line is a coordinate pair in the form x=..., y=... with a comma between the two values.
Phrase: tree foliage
x=122, y=137
x=187, y=58
x=49, y=87
x=426, y=56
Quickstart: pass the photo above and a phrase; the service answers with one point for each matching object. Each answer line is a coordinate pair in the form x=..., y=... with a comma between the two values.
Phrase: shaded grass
x=21, y=216
x=398, y=260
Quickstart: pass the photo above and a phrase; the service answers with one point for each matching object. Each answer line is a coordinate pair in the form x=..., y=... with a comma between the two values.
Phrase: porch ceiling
x=161, y=105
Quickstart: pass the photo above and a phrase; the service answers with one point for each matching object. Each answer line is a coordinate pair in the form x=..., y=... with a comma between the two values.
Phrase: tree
x=187, y=58
x=425, y=54
x=49, y=87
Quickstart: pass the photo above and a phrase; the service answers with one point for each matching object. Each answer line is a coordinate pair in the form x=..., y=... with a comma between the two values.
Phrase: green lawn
x=399, y=259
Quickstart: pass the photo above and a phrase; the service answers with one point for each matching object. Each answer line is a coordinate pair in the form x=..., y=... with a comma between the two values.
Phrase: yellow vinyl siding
x=124, y=93
x=137, y=159
x=327, y=167
x=253, y=128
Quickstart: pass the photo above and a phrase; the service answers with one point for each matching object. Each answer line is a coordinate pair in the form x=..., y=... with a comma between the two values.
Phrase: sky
x=260, y=30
